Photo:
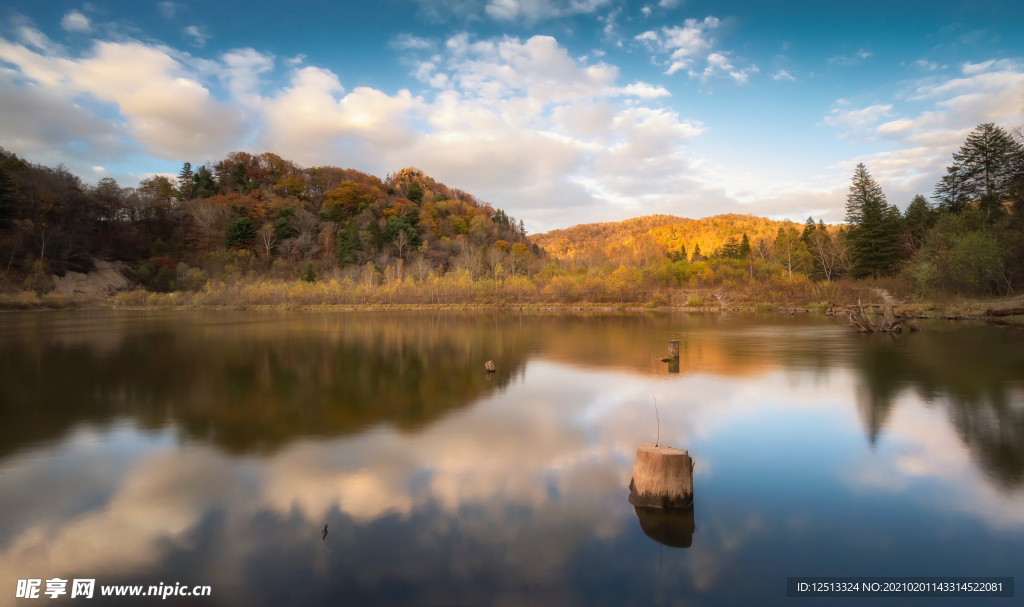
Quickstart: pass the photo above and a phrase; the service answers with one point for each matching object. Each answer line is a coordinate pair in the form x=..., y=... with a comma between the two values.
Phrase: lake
x=211, y=448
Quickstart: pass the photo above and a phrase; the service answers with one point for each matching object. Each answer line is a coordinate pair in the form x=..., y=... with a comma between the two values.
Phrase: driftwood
x=859, y=320
x=489, y=365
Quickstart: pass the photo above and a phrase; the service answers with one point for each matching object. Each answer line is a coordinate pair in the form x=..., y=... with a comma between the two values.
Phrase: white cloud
x=783, y=75
x=532, y=11
x=165, y=107
x=646, y=11
x=296, y=60
x=198, y=35
x=689, y=43
x=405, y=42
x=850, y=59
x=669, y=4
x=849, y=121
x=75, y=21
x=645, y=91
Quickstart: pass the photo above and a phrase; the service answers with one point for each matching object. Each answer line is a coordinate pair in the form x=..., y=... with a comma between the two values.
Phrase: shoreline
x=914, y=312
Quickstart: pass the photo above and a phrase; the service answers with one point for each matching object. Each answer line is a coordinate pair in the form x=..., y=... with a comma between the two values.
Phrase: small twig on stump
x=658, y=439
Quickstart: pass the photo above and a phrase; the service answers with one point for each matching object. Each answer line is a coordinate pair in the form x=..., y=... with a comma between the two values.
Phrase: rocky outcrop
x=107, y=277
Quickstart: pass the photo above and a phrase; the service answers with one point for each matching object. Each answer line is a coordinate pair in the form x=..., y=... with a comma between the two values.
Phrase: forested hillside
x=245, y=213
x=257, y=229
x=662, y=234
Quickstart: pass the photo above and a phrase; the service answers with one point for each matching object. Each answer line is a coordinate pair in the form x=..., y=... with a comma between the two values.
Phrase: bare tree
x=823, y=252
x=267, y=237
x=420, y=268
x=401, y=242
x=368, y=276
x=205, y=214
x=326, y=236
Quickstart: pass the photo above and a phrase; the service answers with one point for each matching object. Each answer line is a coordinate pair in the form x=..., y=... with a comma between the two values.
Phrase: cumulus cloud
x=165, y=107
x=783, y=75
x=75, y=21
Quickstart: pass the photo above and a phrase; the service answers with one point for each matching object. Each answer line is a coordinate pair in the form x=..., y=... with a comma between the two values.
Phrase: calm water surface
x=212, y=448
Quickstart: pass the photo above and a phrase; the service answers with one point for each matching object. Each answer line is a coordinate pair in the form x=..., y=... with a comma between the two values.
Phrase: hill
x=659, y=234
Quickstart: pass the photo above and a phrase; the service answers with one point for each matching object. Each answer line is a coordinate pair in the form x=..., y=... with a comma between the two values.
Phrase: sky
x=561, y=112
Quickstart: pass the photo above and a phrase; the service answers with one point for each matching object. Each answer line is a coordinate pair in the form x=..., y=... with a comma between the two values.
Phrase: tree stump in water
x=662, y=478
x=673, y=348
x=489, y=365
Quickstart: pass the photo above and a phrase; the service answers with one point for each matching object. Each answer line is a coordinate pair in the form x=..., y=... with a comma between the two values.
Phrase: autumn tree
x=790, y=251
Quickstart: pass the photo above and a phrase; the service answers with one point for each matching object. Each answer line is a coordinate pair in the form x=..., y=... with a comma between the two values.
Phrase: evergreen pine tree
x=239, y=178
x=310, y=275
x=745, y=248
x=415, y=192
x=204, y=184
x=241, y=231
x=951, y=194
x=696, y=254
x=986, y=161
x=186, y=181
x=809, y=227
x=874, y=225
x=916, y=221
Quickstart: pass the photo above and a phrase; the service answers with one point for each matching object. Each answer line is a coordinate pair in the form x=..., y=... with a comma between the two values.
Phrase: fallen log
x=489, y=365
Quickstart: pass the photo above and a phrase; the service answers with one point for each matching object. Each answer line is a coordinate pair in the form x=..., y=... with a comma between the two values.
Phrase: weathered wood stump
x=489, y=365
x=672, y=527
x=662, y=477
x=673, y=348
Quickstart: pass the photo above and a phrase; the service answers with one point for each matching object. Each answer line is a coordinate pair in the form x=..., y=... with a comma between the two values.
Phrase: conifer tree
x=310, y=275
x=874, y=225
x=809, y=227
x=186, y=181
x=696, y=254
x=986, y=161
x=745, y=248
x=916, y=222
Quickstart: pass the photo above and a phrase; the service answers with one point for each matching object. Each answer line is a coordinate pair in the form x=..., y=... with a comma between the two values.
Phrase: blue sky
x=560, y=111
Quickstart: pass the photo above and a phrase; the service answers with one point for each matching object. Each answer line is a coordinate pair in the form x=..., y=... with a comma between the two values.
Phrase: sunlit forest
x=261, y=230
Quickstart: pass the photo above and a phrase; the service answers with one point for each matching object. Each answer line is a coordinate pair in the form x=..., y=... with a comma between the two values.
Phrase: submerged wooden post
x=662, y=477
x=489, y=365
x=673, y=348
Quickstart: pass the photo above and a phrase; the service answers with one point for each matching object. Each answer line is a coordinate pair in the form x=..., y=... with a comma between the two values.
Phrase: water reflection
x=217, y=446
x=672, y=527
